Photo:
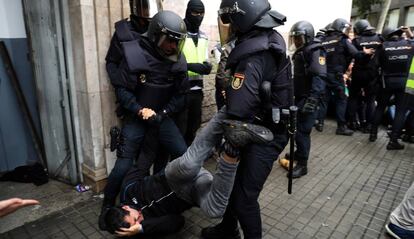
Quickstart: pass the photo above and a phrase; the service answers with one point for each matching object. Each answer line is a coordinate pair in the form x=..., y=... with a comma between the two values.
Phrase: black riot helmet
x=301, y=34
x=167, y=31
x=341, y=25
x=361, y=26
x=141, y=13
x=243, y=14
x=389, y=32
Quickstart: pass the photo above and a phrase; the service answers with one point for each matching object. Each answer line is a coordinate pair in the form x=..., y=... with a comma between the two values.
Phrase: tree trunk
x=383, y=15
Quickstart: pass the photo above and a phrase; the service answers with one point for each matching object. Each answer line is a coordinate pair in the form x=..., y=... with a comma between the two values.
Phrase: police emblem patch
x=322, y=60
x=237, y=81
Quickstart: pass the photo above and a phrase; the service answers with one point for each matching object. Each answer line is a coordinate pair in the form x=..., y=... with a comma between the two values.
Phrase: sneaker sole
x=258, y=132
x=387, y=228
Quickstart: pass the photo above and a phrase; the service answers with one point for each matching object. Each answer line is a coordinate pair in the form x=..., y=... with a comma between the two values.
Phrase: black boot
x=101, y=220
x=354, y=125
x=408, y=139
x=239, y=133
x=373, y=134
x=394, y=145
x=319, y=126
x=299, y=170
x=220, y=232
x=343, y=130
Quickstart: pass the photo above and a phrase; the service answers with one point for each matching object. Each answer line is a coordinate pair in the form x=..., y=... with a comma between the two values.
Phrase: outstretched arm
x=10, y=205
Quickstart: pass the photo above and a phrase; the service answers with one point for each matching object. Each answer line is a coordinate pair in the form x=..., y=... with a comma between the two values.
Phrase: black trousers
x=383, y=100
x=364, y=88
x=190, y=120
x=254, y=168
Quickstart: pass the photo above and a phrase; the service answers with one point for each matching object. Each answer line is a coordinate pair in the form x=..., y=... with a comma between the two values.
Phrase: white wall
x=11, y=19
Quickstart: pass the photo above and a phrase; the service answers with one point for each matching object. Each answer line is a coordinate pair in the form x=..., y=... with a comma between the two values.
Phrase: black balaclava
x=193, y=22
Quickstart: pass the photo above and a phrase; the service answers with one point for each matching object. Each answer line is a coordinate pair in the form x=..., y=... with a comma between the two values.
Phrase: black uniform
x=251, y=67
x=309, y=80
x=395, y=58
x=340, y=52
x=364, y=78
x=142, y=78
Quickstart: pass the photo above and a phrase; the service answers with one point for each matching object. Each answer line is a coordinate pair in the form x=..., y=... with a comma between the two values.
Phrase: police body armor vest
x=335, y=52
x=196, y=54
x=307, y=63
x=397, y=57
x=373, y=41
x=152, y=80
x=280, y=77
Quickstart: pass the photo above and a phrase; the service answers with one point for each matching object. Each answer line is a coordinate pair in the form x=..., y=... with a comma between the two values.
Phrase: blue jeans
x=191, y=182
x=132, y=135
x=254, y=168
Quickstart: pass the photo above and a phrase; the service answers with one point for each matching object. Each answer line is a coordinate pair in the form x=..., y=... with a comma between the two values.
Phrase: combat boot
x=343, y=130
x=239, y=134
x=299, y=170
x=373, y=134
x=408, y=139
x=319, y=126
x=354, y=125
x=394, y=145
x=219, y=231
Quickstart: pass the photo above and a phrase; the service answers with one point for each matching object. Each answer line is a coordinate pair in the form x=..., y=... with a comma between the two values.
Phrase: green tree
x=364, y=6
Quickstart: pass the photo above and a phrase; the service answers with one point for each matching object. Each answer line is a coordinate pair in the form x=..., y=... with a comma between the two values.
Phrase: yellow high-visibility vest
x=196, y=54
x=409, y=87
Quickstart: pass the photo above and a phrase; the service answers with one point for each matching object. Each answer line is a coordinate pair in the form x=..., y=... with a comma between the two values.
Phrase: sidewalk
x=351, y=188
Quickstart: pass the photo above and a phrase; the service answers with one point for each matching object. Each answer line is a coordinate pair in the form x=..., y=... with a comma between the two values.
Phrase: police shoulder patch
x=237, y=81
x=322, y=60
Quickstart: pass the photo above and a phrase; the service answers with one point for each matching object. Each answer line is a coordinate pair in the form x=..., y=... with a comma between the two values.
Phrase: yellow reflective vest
x=196, y=54
x=409, y=87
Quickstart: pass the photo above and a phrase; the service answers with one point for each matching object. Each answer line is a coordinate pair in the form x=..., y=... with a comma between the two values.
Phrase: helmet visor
x=297, y=40
x=171, y=44
x=226, y=12
x=225, y=31
x=145, y=8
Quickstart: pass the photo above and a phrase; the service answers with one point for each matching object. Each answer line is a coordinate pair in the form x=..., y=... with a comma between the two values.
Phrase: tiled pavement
x=349, y=192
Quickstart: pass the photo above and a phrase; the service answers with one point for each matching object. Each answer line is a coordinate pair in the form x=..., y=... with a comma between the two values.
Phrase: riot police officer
x=394, y=58
x=364, y=75
x=150, y=84
x=309, y=61
x=261, y=83
x=340, y=52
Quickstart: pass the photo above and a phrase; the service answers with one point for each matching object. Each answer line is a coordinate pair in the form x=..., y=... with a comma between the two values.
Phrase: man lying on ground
x=153, y=204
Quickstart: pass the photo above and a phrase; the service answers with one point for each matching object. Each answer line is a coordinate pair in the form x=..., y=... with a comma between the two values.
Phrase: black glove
x=157, y=119
x=200, y=68
x=230, y=150
x=310, y=105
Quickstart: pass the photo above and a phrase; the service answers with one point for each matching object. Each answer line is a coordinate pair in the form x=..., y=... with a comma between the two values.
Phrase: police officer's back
x=364, y=75
x=394, y=58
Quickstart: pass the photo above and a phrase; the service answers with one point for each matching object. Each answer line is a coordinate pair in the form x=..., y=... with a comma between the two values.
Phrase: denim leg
x=186, y=167
x=212, y=193
x=254, y=168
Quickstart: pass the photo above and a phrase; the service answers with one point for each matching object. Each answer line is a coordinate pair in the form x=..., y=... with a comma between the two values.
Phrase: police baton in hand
x=293, y=112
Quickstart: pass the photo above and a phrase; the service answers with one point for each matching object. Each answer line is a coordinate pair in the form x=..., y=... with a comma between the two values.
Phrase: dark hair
x=114, y=219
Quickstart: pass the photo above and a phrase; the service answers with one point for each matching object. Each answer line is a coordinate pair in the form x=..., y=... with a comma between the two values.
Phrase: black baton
x=293, y=110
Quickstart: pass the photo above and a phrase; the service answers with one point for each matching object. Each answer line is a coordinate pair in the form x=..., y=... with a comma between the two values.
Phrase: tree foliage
x=364, y=6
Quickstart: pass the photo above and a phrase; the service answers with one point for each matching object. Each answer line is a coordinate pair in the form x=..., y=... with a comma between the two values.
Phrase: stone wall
x=92, y=26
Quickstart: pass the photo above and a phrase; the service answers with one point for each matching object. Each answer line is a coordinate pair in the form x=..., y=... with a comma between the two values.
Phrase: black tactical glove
x=157, y=119
x=230, y=150
x=200, y=68
x=310, y=105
